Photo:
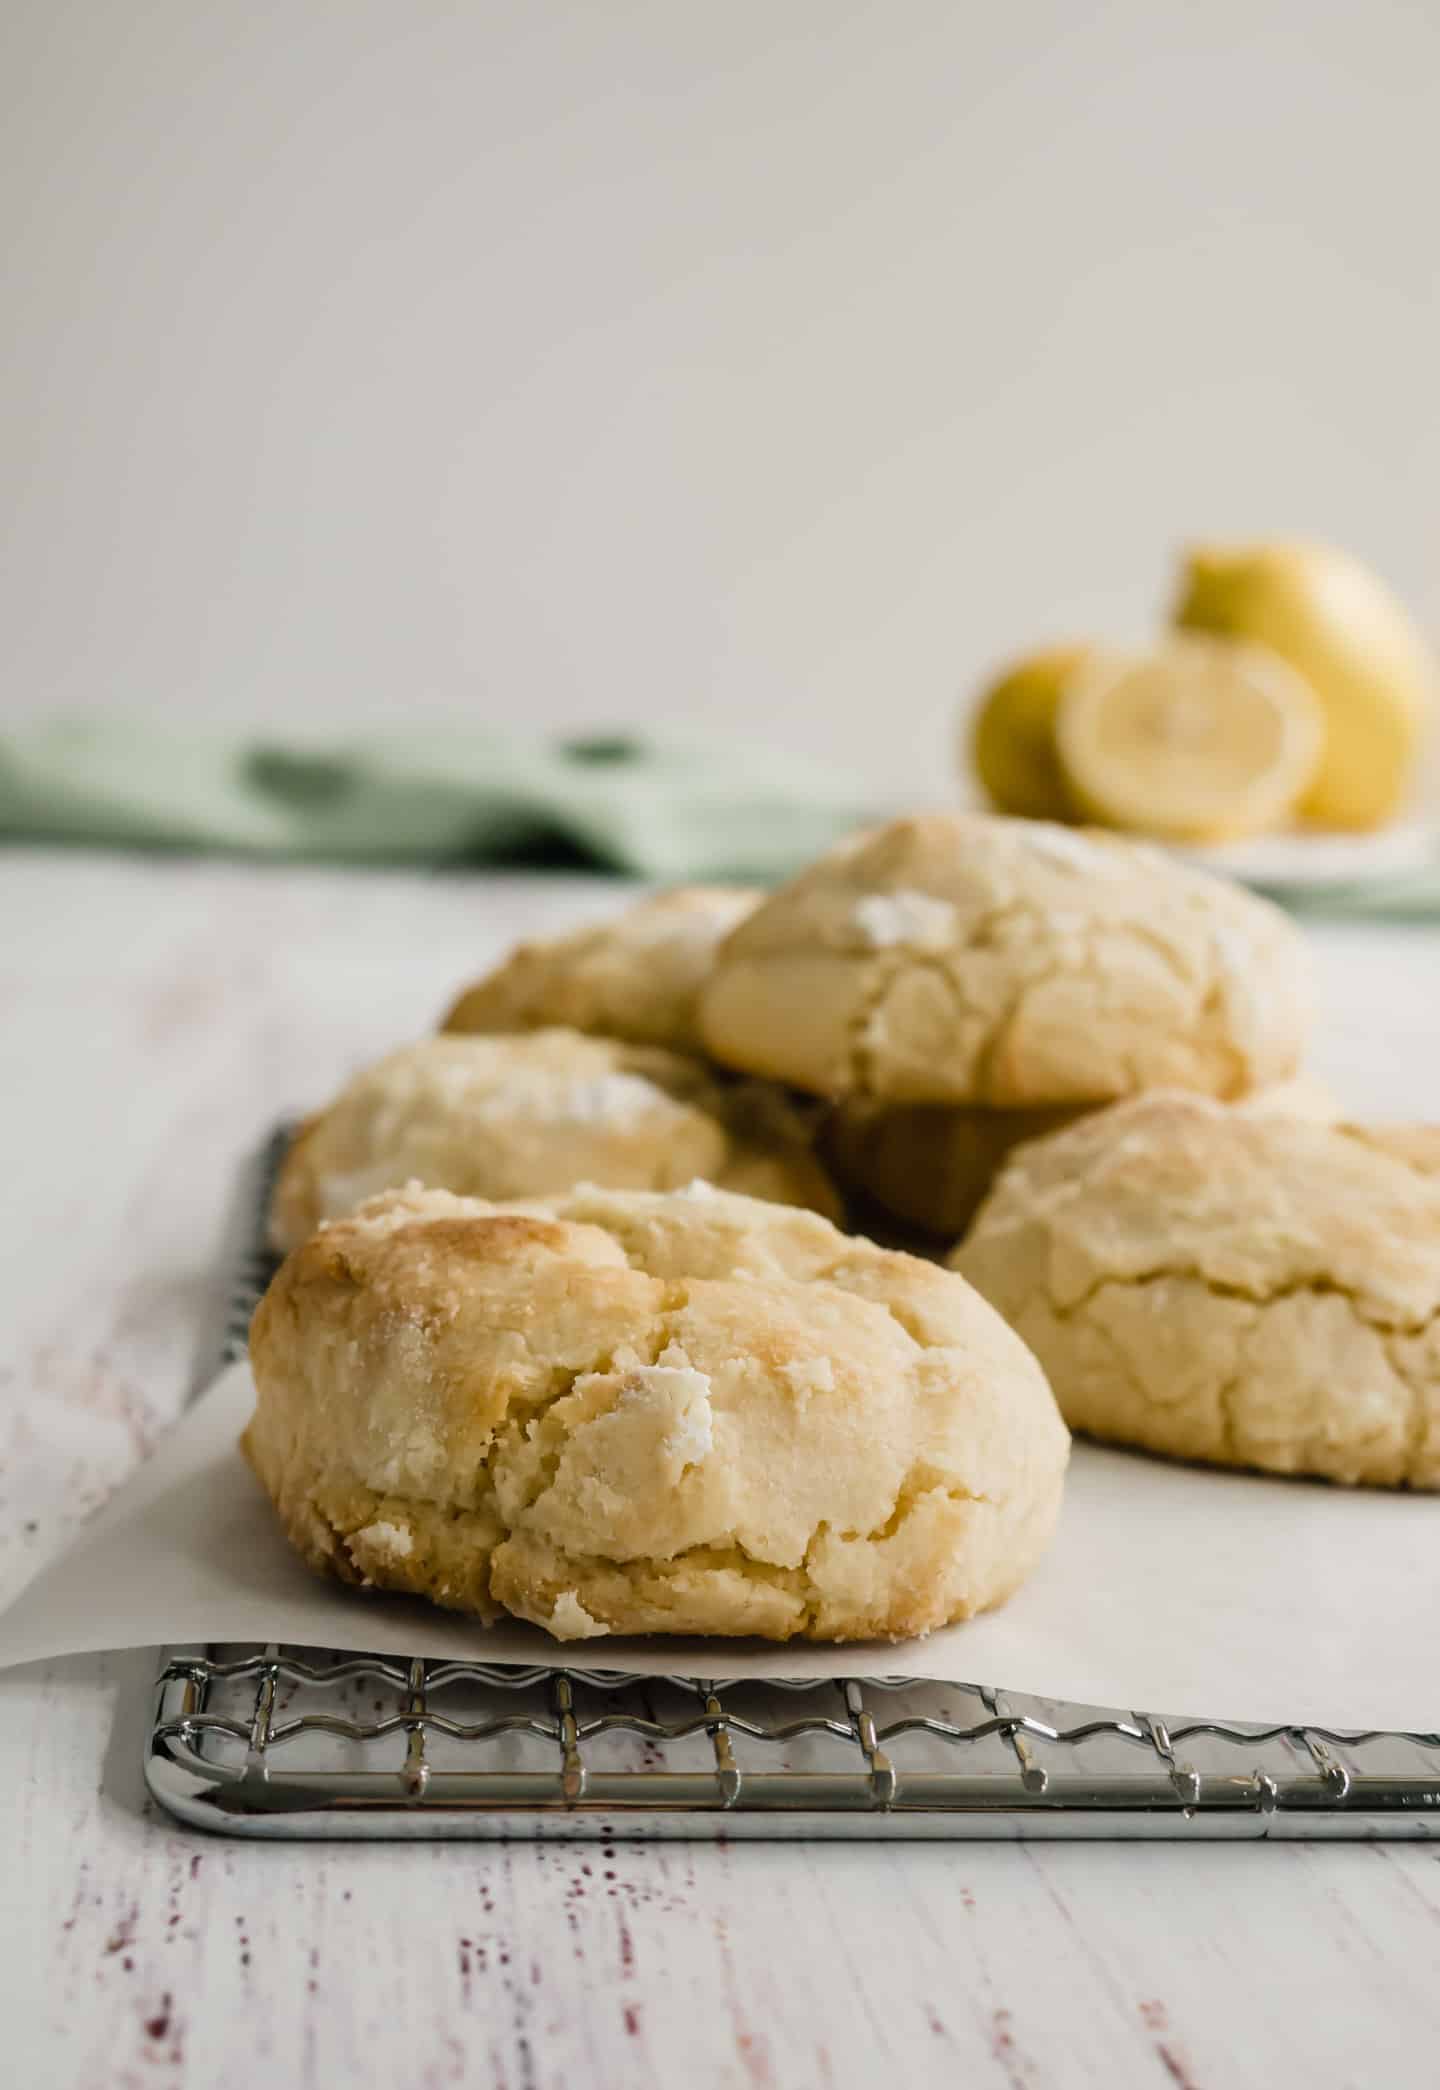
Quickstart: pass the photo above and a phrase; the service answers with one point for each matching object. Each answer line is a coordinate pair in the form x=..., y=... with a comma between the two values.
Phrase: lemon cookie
x=971, y=959
x=521, y=1116
x=635, y=976
x=1248, y=1289
x=625, y=1413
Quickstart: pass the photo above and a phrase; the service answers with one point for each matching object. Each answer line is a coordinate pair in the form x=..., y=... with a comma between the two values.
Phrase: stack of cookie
x=548, y=1341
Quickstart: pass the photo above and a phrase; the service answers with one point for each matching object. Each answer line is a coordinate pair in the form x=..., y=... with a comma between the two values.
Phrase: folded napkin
x=436, y=794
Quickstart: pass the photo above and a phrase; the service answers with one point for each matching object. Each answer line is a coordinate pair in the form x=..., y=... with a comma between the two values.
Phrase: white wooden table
x=157, y=1017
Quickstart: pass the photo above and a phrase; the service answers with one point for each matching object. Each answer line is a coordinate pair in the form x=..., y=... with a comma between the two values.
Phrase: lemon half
x=1196, y=739
x=1357, y=646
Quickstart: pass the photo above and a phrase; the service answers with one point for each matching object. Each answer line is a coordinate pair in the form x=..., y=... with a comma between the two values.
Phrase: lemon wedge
x=1196, y=739
x=1012, y=739
x=1340, y=627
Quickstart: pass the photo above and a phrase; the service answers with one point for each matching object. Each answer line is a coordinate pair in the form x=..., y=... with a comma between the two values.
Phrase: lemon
x=1195, y=739
x=1012, y=740
x=1355, y=644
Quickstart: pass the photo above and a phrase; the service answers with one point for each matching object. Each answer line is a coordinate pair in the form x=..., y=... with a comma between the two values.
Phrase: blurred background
x=779, y=367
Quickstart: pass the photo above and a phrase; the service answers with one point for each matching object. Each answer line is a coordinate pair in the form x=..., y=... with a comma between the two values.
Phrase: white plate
x=1311, y=862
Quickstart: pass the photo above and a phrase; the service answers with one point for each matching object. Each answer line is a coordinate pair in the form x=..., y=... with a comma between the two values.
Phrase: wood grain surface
x=158, y=1016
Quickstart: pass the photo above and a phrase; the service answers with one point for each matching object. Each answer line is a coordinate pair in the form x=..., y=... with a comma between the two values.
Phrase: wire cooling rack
x=288, y=1742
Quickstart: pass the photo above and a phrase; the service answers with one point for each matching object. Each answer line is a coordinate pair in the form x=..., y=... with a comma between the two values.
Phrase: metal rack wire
x=286, y=1742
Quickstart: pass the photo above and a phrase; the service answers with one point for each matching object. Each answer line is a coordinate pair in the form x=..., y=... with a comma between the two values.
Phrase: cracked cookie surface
x=521, y=1116
x=614, y=1412
x=960, y=958
x=1226, y=1285
x=635, y=975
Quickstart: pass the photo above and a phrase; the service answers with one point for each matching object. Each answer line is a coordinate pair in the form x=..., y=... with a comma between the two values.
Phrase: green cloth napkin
x=437, y=794
x=428, y=795
x=1409, y=896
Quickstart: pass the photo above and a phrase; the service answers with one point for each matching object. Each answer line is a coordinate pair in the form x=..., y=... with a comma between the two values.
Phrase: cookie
x=968, y=959
x=619, y=1412
x=635, y=976
x=520, y=1116
x=929, y=1165
x=1242, y=1288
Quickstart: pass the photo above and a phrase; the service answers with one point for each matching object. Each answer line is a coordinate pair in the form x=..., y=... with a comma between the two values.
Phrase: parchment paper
x=1169, y=1589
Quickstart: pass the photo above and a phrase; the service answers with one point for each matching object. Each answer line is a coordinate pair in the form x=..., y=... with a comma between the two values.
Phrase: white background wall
x=767, y=360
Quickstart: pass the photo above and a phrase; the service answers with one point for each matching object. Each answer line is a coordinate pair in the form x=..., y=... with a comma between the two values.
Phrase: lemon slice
x=1198, y=739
